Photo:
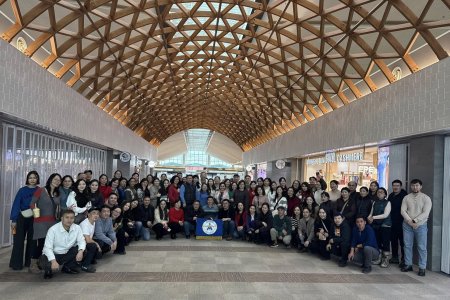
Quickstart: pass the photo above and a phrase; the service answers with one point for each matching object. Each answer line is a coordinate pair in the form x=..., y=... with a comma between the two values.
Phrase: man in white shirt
x=92, y=247
x=64, y=246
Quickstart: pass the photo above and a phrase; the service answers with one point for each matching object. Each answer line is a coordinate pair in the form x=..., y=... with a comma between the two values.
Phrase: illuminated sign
x=332, y=157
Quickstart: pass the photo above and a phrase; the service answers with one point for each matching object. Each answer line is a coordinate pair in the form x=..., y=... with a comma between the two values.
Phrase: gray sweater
x=104, y=231
x=306, y=229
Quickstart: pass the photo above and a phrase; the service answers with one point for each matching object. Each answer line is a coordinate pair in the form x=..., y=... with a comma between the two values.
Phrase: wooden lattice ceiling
x=249, y=69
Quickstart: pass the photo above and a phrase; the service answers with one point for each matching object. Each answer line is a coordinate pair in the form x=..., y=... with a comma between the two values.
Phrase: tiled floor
x=189, y=269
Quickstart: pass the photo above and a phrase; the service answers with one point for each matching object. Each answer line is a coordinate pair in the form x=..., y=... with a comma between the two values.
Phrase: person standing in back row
x=415, y=210
x=396, y=199
x=188, y=192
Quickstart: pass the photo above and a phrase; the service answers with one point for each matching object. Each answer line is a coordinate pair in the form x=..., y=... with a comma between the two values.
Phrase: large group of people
x=69, y=225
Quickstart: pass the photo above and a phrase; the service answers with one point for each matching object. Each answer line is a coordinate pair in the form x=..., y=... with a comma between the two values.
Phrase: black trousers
x=383, y=235
x=121, y=240
x=67, y=260
x=295, y=239
x=175, y=228
x=264, y=235
x=24, y=231
x=159, y=230
x=341, y=249
x=104, y=246
x=396, y=238
x=320, y=247
x=89, y=254
x=36, y=248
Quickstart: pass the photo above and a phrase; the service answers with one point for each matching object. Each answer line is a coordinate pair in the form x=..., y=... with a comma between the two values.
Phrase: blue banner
x=208, y=229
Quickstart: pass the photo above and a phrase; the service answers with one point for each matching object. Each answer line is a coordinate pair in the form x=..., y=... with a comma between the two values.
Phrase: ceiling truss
x=249, y=69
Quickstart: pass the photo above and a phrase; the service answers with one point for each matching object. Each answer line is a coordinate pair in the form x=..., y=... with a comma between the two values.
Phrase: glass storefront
x=24, y=150
x=360, y=165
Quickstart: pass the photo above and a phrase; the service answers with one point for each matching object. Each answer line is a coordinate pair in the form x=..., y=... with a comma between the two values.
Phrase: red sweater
x=105, y=190
x=176, y=215
x=292, y=203
x=173, y=194
x=237, y=217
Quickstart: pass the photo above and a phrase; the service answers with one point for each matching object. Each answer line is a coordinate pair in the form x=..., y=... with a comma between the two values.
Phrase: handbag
x=27, y=213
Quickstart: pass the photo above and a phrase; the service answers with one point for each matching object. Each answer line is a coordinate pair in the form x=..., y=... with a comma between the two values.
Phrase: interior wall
x=427, y=164
x=31, y=93
x=416, y=104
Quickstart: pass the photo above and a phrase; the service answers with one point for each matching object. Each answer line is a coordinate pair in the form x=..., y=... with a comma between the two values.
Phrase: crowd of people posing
x=69, y=224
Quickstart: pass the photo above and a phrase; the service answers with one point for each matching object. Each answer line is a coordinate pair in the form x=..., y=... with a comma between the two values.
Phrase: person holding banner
x=193, y=212
x=210, y=209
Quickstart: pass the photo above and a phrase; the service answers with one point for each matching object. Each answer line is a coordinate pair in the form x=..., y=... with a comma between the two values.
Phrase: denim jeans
x=239, y=234
x=145, y=233
x=228, y=228
x=420, y=235
x=188, y=228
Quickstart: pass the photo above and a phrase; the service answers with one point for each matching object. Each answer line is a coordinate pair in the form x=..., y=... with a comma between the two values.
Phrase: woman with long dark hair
x=174, y=191
x=163, y=192
x=203, y=194
x=64, y=190
x=279, y=201
x=130, y=192
x=94, y=194
x=295, y=220
x=304, y=192
x=104, y=188
x=143, y=189
x=47, y=201
x=373, y=188
x=322, y=227
x=22, y=222
x=114, y=184
x=79, y=201
x=260, y=198
x=161, y=226
x=211, y=187
x=265, y=223
x=312, y=205
x=118, y=174
x=240, y=221
x=252, y=223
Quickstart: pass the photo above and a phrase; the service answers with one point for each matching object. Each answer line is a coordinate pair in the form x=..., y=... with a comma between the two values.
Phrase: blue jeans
x=228, y=228
x=188, y=228
x=142, y=231
x=420, y=235
x=239, y=234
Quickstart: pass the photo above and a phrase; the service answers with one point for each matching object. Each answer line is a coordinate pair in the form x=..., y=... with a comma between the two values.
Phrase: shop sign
x=332, y=157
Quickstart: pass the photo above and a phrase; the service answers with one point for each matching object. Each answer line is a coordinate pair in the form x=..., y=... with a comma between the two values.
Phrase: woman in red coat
x=174, y=192
x=176, y=220
x=240, y=220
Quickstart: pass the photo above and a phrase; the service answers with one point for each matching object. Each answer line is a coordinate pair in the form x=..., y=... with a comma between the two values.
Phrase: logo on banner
x=209, y=227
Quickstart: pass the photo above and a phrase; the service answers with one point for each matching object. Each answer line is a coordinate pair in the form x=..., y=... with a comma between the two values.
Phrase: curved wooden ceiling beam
x=136, y=60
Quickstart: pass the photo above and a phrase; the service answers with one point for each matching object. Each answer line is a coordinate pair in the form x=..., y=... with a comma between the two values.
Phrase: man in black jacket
x=193, y=212
x=146, y=216
x=396, y=199
x=340, y=238
x=226, y=214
